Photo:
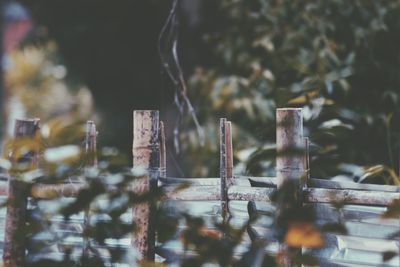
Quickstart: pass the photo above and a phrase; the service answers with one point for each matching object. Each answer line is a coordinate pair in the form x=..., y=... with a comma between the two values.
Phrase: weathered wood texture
x=289, y=144
x=320, y=183
x=14, y=242
x=195, y=193
x=191, y=181
x=290, y=161
x=373, y=198
x=226, y=165
x=212, y=193
x=163, y=152
x=146, y=154
x=208, y=189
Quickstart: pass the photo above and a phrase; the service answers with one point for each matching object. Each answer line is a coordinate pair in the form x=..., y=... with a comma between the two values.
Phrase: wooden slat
x=245, y=193
x=320, y=183
x=191, y=181
x=320, y=195
x=195, y=193
x=250, y=193
x=327, y=184
x=211, y=193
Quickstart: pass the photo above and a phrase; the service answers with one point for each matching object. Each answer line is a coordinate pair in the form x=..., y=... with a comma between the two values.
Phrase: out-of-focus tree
x=339, y=60
x=36, y=86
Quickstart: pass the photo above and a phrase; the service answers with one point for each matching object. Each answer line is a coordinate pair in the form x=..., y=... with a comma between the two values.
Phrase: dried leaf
x=210, y=233
x=303, y=235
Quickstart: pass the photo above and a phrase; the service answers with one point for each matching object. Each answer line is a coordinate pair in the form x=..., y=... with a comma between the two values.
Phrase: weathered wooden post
x=163, y=152
x=91, y=162
x=14, y=242
x=289, y=145
x=226, y=165
x=290, y=162
x=146, y=154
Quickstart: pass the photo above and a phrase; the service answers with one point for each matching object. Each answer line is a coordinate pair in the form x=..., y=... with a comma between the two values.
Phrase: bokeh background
x=99, y=59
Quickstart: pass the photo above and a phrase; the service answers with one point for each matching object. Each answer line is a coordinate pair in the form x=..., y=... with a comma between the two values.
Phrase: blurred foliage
x=338, y=60
x=56, y=233
x=36, y=86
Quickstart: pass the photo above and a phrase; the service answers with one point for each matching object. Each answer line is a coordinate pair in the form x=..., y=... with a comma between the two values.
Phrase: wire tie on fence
x=156, y=146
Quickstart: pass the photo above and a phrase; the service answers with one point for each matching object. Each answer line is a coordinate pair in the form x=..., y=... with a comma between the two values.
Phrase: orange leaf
x=210, y=233
x=303, y=235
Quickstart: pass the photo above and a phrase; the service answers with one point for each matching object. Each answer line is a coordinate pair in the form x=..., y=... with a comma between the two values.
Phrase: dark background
x=112, y=47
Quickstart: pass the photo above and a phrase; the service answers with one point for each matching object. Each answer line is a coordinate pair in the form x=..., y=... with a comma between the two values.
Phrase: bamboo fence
x=149, y=151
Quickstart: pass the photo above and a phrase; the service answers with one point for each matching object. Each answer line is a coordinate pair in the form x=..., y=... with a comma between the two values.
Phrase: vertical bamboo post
x=226, y=165
x=91, y=162
x=229, y=153
x=289, y=145
x=146, y=154
x=290, y=162
x=14, y=242
x=163, y=152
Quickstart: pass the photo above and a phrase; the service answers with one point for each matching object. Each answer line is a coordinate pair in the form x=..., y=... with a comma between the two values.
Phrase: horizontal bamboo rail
x=348, y=196
x=71, y=189
x=235, y=192
x=271, y=182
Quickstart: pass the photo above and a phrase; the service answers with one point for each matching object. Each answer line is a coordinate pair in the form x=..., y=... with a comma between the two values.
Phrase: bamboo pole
x=226, y=165
x=289, y=145
x=321, y=183
x=146, y=154
x=14, y=243
x=327, y=184
x=238, y=192
x=213, y=193
x=290, y=163
x=348, y=196
x=90, y=150
x=229, y=154
x=163, y=152
x=222, y=163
